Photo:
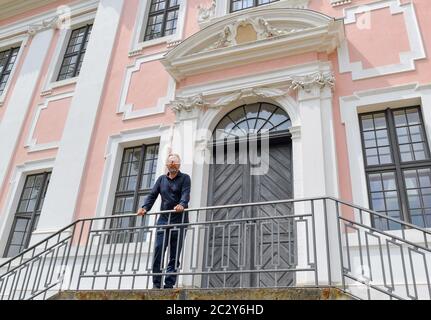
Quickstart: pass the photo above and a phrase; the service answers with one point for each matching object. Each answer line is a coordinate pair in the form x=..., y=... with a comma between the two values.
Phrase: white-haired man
x=174, y=188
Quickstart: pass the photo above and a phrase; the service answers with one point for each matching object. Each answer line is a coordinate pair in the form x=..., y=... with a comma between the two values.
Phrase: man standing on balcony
x=174, y=188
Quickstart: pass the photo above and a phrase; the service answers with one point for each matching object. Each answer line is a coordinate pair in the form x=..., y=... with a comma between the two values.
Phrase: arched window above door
x=252, y=119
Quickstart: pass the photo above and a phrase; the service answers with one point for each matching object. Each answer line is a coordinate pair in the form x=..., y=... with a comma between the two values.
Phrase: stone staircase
x=327, y=293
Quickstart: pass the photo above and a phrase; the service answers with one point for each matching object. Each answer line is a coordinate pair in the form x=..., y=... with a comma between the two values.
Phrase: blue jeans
x=174, y=237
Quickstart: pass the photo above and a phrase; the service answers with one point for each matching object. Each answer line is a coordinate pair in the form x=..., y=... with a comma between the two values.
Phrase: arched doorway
x=249, y=245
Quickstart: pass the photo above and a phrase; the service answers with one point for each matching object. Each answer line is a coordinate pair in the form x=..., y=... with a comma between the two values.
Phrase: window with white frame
x=75, y=52
x=162, y=19
x=7, y=61
x=237, y=5
x=397, y=165
x=28, y=213
x=137, y=176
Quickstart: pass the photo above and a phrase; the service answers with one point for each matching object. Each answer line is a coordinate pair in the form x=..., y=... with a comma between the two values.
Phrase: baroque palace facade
x=94, y=94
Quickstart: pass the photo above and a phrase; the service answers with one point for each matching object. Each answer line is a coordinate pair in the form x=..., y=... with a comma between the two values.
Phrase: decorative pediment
x=258, y=35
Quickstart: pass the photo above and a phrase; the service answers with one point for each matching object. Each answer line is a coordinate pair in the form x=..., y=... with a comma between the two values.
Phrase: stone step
x=327, y=293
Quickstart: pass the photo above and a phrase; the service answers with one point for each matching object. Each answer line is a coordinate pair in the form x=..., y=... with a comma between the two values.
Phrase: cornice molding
x=55, y=18
x=10, y=8
x=44, y=25
x=187, y=106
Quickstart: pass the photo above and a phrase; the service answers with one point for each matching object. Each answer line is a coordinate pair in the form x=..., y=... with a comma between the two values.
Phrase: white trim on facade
x=127, y=109
x=20, y=100
x=141, y=23
x=31, y=144
x=6, y=44
x=73, y=150
x=373, y=100
x=60, y=49
x=23, y=26
x=16, y=184
x=407, y=59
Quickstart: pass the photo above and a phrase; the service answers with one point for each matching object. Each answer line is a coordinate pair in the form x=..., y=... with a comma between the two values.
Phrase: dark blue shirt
x=173, y=191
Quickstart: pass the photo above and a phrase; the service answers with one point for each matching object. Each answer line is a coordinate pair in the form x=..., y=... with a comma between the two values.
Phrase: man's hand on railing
x=179, y=208
x=141, y=211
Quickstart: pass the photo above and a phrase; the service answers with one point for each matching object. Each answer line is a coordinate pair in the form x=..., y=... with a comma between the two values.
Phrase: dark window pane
x=7, y=61
x=146, y=179
x=416, y=134
x=27, y=214
x=162, y=19
x=378, y=201
x=384, y=198
x=369, y=139
x=419, y=151
x=388, y=180
x=372, y=157
x=379, y=121
x=424, y=178
x=406, y=152
x=403, y=135
x=132, y=183
x=418, y=182
x=367, y=123
x=400, y=118
x=75, y=52
x=391, y=201
x=250, y=119
x=413, y=116
x=375, y=182
x=410, y=135
x=385, y=155
x=133, y=166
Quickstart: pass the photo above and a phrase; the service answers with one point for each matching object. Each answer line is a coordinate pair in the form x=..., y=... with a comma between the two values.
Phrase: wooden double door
x=246, y=248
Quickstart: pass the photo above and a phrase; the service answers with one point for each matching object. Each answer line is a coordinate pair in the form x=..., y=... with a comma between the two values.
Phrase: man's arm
x=151, y=198
x=185, y=192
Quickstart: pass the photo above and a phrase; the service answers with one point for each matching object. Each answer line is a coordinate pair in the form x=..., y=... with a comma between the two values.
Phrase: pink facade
x=376, y=52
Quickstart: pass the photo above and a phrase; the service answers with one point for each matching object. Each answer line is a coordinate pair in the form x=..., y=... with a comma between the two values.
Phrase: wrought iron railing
x=382, y=263
x=303, y=242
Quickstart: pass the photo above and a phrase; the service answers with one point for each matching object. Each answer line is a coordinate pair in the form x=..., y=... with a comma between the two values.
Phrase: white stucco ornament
x=188, y=103
x=318, y=79
x=262, y=28
x=261, y=92
x=204, y=13
x=44, y=25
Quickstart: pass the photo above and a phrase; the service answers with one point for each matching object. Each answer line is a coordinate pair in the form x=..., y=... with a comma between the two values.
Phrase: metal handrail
x=17, y=277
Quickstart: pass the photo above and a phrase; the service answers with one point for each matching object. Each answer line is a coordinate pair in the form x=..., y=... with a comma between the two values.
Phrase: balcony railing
x=309, y=242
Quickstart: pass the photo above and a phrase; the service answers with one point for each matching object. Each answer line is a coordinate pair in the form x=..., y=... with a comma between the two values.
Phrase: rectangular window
x=75, y=52
x=237, y=5
x=162, y=18
x=137, y=176
x=7, y=61
x=28, y=212
x=398, y=166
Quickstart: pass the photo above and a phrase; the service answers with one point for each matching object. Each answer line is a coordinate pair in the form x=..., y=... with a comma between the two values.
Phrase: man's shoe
x=168, y=287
